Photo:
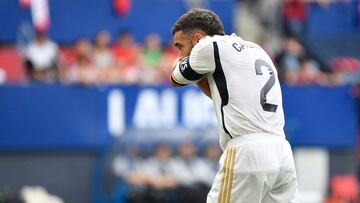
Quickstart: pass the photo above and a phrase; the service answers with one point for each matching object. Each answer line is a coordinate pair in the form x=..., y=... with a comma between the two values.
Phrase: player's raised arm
x=192, y=36
x=194, y=67
x=183, y=74
x=202, y=83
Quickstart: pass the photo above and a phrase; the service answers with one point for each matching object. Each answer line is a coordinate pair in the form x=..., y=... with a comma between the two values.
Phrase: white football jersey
x=243, y=81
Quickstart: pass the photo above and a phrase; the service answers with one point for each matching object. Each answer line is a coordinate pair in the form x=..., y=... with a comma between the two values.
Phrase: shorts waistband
x=254, y=137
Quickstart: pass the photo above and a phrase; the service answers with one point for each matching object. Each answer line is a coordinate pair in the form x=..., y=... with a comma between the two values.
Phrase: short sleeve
x=200, y=62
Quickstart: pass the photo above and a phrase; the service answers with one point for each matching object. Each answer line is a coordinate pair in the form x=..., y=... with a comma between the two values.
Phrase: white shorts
x=255, y=168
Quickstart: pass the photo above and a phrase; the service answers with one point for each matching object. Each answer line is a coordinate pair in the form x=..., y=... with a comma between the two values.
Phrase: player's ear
x=197, y=37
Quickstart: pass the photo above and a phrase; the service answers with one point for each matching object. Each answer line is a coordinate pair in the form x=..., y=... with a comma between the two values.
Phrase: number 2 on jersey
x=268, y=85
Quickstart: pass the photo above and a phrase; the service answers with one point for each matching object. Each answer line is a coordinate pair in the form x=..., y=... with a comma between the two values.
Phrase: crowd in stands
x=278, y=26
x=128, y=62
x=100, y=61
x=296, y=67
x=165, y=176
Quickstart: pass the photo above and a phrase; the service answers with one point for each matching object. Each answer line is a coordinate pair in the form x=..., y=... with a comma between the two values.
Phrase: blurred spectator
x=159, y=170
x=211, y=160
x=81, y=69
x=151, y=58
x=162, y=178
x=289, y=60
x=152, y=52
x=347, y=69
x=192, y=174
x=102, y=54
x=164, y=72
x=269, y=14
x=309, y=72
x=126, y=53
x=294, y=15
x=128, y=167
x=104, y=61
x=41, y=57
x=296, y=68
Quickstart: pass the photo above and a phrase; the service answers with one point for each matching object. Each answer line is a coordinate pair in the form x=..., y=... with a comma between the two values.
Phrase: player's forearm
x=178, y=79
x=204, y=86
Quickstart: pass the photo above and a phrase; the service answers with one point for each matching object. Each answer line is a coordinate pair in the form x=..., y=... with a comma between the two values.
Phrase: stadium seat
x=11, y=63
x=344, y=187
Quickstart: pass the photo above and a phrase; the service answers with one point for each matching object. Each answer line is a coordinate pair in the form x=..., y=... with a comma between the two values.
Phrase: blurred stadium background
x=87, y=114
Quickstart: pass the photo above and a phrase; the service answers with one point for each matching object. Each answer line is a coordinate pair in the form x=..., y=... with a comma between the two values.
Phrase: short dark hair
x=202, y=19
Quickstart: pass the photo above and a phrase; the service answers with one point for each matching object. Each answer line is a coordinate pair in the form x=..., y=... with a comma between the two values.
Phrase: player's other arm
x=203, y=84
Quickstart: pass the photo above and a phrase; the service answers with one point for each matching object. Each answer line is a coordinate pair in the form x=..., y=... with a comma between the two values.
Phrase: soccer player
x=257, y=163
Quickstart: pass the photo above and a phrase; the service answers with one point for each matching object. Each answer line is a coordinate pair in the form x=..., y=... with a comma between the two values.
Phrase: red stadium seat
x=344, y=187
x=11, y=62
